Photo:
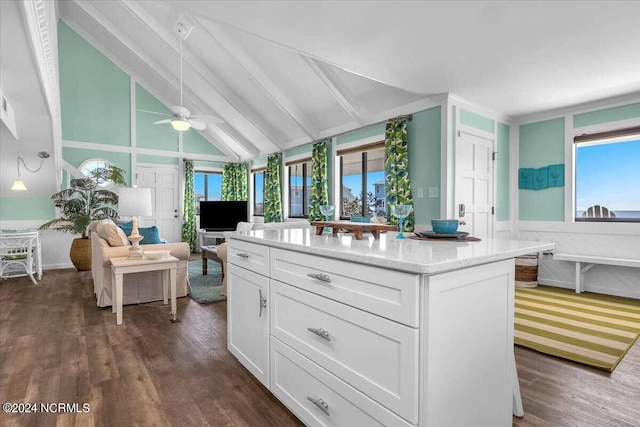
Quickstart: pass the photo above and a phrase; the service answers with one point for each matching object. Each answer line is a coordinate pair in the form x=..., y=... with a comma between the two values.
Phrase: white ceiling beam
x=161, y=72
x=234, y=101
x=41, y=19
x=337, y=89
x=261, y=79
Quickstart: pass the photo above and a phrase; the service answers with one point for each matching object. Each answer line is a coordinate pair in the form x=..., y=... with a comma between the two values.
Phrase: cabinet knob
x=320, y=403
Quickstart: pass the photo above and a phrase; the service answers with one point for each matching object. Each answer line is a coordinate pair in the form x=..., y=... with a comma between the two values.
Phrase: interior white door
x=474, y=190
x=164, y=194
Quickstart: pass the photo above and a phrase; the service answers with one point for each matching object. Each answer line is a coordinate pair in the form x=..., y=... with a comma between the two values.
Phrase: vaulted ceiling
x=281, y=74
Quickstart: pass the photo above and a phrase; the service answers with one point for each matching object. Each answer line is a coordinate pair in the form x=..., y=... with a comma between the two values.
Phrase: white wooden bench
x=590, y=261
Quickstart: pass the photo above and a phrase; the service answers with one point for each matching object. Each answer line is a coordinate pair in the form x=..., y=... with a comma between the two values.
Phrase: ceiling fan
x=180, y=117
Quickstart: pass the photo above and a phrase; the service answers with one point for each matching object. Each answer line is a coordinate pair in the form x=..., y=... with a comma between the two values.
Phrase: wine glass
x=327, y=211
x=401, y=212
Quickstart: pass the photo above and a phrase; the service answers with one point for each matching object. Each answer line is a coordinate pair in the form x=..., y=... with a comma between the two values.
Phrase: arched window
x=90, y=165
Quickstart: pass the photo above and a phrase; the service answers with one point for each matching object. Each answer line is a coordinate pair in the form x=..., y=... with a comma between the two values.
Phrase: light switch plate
x=420, y=192
x=433, y=191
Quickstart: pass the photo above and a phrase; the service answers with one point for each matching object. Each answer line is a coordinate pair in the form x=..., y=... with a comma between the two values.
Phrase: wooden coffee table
x=356, y=227
x=210, y=252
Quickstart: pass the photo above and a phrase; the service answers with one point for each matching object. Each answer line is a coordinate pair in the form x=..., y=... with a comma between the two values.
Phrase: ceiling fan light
x=180, y=125
x=18, y=185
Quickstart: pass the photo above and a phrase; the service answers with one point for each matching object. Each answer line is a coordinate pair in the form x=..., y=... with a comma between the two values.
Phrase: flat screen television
x=216, y=215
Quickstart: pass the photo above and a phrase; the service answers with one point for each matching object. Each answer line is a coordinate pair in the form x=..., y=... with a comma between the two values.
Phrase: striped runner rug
x=592, y=329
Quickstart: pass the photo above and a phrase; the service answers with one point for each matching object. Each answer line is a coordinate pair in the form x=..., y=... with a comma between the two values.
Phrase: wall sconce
x=18, y=184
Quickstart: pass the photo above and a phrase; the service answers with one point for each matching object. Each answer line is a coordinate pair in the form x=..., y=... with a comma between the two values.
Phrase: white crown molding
x=263, y=81
x=41, y=19
x=221, y=134
x=601, y=104
x=226, y=95
x=478, y=109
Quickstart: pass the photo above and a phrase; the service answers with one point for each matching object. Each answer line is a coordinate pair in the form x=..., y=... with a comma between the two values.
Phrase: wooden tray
x=356, y=227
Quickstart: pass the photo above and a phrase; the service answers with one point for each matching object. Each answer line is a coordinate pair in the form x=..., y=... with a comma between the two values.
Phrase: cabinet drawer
x=375, y=355
x=295, y=379
x=249, y=255
x=387, y=293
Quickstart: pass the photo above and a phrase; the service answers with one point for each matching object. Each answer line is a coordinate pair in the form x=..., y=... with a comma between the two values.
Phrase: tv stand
x=204, y=234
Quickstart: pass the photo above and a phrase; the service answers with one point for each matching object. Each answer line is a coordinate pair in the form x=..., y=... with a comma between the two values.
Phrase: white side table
x=123, y=265
x=204, y=234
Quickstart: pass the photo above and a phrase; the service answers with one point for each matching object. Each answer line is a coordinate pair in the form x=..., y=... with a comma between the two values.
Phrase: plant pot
x=81, y=254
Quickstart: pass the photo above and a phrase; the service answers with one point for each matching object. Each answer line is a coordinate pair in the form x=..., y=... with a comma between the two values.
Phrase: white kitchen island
x=368, y=332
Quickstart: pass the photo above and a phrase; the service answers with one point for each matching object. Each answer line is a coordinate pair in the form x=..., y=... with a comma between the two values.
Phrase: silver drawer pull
x=322, y=333
x=242, y=255
x=263, y=302
x=320, y=276
x=320, y=403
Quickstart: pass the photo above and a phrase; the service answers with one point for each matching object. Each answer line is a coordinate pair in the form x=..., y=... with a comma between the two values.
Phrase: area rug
x=205, y=289
x=592, y=329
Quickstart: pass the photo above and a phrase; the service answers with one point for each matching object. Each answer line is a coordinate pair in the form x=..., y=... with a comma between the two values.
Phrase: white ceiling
x=21, y=84
x=283, y=73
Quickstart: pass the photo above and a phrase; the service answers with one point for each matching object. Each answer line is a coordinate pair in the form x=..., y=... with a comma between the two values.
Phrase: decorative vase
x=81, y=254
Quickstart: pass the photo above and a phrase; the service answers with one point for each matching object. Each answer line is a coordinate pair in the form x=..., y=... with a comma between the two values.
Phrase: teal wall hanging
x=539, y=179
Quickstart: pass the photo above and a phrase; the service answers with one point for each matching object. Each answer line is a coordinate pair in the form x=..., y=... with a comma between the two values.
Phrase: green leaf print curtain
x=396, y=168
x=234, y=182
x=272, y=193
x=319, y=192
x=189, y=233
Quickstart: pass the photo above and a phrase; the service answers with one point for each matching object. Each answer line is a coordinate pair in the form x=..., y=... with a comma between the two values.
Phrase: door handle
x=242, y=255
x=263, y=302
x=461, y=210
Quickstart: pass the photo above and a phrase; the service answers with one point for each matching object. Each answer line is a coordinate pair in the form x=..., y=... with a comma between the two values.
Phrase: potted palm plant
x=86, y=200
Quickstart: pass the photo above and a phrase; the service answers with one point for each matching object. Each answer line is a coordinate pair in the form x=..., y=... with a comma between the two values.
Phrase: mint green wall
x=63, y=181
x=477, y=121
x=204, y=164
x=606, y=115
x=193, y=142
x=26, y=208
x=161, y=160
x=259, y=161
x=502, y=174
x=542, y=144
x=302, y=149
x=424, y=162
x=358, y=134
x=75, y=156
x=94, y=93
x=148, y=135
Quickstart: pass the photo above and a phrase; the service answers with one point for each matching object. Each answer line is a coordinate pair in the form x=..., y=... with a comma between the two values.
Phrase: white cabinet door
x=248, y=320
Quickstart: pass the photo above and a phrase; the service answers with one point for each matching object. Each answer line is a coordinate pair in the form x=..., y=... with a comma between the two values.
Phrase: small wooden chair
x=598, y=211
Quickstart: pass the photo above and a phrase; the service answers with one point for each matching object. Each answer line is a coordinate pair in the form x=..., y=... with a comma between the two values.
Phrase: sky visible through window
x=354, y=182
x=214, y=186
x=609, y=175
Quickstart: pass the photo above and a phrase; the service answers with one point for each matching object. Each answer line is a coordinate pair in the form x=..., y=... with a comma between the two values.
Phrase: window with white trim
x=258, y=191
x=207, y=186
x=299, y=188
x=607, y=176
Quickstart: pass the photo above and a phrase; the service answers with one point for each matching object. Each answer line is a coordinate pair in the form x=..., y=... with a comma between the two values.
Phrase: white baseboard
x=625, y=293
x=57, y=266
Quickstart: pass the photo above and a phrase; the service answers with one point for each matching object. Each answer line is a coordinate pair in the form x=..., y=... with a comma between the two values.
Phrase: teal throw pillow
x=149, y=234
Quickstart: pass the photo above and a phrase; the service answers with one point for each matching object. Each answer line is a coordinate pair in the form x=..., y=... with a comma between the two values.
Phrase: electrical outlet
x=420, y=192
x=433, y=191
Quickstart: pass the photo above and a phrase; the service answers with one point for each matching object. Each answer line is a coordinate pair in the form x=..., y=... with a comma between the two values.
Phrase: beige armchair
x=138, y=287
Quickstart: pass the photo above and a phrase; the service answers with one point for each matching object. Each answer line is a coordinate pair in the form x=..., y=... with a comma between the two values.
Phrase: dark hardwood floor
x=57, y=346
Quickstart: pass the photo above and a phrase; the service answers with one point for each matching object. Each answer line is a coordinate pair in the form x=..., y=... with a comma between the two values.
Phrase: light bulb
x=180, y=125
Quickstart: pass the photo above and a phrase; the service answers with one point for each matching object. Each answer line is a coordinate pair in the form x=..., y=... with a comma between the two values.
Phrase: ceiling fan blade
x=154, y=112
x=211, y=119
x=161, y=122
x=180, y=111
x=197, y=125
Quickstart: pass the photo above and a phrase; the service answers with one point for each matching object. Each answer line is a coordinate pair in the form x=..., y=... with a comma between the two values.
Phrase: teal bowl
x=444, y=226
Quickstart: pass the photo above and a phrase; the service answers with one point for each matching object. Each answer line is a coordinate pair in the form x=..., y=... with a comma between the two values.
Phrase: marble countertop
x=413, y=256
